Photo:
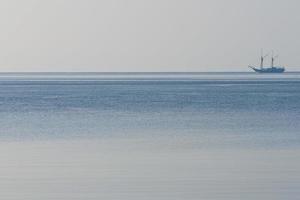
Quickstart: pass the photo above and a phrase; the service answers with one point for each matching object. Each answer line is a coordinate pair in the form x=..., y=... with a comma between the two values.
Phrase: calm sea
x=149, y=136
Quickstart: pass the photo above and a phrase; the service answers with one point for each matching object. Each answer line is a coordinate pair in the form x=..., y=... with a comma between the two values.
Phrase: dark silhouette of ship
x=272, y=69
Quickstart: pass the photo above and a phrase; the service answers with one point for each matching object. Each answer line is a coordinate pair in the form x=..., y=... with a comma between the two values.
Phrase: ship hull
x=271, y=70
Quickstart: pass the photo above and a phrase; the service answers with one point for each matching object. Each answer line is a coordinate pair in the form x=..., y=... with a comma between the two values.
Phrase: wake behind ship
x=272, y=69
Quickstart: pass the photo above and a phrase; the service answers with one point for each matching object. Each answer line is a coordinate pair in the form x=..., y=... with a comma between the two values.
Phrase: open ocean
x=142, y=136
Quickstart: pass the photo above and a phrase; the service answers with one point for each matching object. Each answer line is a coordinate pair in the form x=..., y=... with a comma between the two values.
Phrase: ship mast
x=273, y=58
x=262, y=59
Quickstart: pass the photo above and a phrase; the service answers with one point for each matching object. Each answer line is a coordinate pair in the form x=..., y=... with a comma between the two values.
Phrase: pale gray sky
x=146, y=35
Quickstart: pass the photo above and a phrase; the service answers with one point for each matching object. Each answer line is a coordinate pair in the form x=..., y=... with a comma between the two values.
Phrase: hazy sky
x=146, y=35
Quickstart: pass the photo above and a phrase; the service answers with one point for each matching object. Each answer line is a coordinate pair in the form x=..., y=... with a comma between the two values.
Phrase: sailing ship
x=272, y=69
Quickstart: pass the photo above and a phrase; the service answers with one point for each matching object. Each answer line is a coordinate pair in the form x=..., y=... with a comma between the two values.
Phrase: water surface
x=149, y=135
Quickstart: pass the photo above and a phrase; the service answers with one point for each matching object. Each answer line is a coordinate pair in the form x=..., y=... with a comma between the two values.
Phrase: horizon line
x=137, y=72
